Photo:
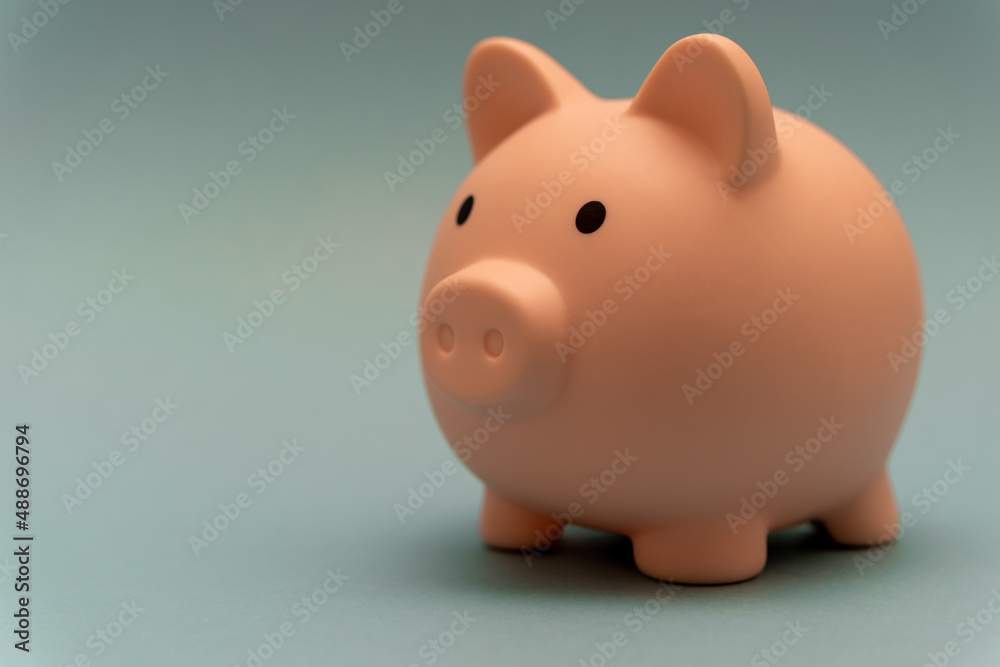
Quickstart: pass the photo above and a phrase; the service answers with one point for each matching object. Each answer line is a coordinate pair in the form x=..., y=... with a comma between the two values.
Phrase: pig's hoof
x=506, y=525
x=871, y=517
x=701, y=556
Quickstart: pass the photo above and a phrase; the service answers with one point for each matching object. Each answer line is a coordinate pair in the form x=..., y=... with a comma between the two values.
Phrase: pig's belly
x=638, y=470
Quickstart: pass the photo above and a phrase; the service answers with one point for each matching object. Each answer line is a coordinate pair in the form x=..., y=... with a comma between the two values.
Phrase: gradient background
x=333, y=508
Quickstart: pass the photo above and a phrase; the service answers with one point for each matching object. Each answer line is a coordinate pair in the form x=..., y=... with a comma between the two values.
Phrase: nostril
x=446, y=338
x=494, y=343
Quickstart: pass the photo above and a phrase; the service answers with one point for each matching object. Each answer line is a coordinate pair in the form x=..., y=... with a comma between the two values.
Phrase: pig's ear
x=709, y=86
x=510, y=83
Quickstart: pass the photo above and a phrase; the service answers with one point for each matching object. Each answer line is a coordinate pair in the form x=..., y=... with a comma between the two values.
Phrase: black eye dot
x=590, y=217
x=463, y=213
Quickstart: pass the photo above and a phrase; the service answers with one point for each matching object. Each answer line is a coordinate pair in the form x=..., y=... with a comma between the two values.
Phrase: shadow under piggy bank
x=596, y=564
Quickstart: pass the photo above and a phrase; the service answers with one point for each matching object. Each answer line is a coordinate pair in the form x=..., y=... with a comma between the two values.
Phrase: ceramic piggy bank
x=676, y=317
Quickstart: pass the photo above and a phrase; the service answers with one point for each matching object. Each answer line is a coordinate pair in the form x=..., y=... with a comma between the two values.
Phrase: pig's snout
x=490, y=336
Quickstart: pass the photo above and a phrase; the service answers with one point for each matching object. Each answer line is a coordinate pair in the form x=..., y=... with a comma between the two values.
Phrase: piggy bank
x=677, y=317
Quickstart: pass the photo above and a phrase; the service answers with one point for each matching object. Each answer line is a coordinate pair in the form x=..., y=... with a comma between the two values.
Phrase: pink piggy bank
x=659, y=317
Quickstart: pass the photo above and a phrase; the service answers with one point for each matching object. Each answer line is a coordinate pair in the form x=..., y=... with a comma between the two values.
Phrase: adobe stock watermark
x=7, y=568
x=636, y=620
x=104, y=637
x=958, y=297
x=134, y=438
x=464, y=449
x=562, y=12
x=363, y=35
x=248, y=149
x=433, y=649
x=716, y=26
x=591, y=491
x=303, y=611
x=88, y=310
x=393, y=350
x=924, y=501
x=752, y=330
x=32, y=23
x=259, y=481
x=900, y=15
x=581, y=159
x=779, y=648
x=796, y=458
x=915, y=167
x=626, y=287
x=969, y=629
x=223, y=7
x=785, y=127
x=295, y=276
x=454, y=116
x=122, y=107
x=694, y=48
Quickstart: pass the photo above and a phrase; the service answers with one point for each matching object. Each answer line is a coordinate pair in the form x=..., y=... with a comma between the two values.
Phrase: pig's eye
x=463, y=213
x=590, y=217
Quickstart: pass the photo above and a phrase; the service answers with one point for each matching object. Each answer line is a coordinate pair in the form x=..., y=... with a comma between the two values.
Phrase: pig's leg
x=506, y=525
x=865, y=518
x=702, y=553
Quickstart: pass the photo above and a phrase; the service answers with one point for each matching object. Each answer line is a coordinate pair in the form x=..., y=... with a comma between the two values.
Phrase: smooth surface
x=730, y=363
x=323, y=175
